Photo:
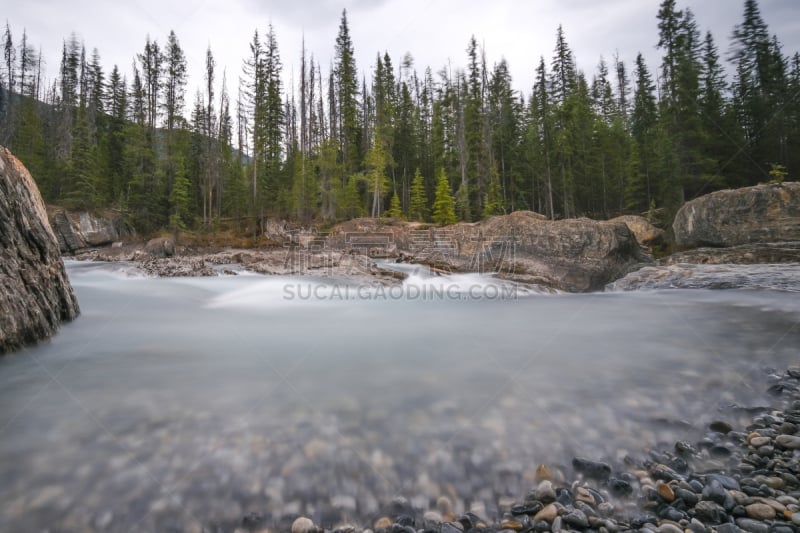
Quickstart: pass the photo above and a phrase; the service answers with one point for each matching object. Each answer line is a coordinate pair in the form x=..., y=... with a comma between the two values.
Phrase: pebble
x=304, y=525
x=720, y=426
x=512, y=525
x=432, y=518
x=606, y=508
x=591, y=469
x=688, y=497
x=444, y=505
x=381, y=523
x=760, y=511
x=710, y=512
x=619, y=487
x=727, y=482
x=715, y=492
x=583, y=495
x=544, y=492
x=790, y=442
x=548, y=513
x=665, y=491
x=451, y=527
x=527, y=508
x=752, y=526
x=760, y=441
x=577, y=519
x=543, y=473
x=669, y=528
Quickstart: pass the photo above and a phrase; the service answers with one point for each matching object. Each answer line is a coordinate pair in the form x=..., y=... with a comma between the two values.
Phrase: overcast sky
x=434, y=32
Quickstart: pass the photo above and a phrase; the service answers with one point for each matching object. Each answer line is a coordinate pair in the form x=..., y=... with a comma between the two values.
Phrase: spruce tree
x=639, y=191
x=395, y=208
x=346, y=85
x=760, y=89
x=418, y=207
x=443, y=204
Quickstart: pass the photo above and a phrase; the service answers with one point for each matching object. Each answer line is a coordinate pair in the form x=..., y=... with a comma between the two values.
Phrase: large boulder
x=160, y=247
x=575, y=255
x=78, y=230
x=35, y=294
x=759, y=214
x=646, y=233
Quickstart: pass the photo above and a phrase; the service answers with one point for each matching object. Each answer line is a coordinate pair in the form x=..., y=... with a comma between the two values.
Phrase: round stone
x=720, y=426
x=790, y=442
x=444, y=505
x=383, y=522
x=511, y=524
x=577, y=519
x=760, y=511
x=548, y=513
x=544, y=492
x=432, y=517
x=304, y=525
x=666, y=493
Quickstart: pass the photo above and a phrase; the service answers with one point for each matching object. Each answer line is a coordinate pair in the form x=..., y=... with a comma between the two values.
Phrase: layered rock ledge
x=35, y=294
x=750, y=215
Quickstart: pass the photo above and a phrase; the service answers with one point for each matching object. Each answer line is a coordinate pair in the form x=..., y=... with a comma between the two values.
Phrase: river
x=175, y=403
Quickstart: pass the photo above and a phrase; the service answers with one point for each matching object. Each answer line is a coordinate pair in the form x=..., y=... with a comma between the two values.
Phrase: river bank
x=737, y=478
x=189, y=403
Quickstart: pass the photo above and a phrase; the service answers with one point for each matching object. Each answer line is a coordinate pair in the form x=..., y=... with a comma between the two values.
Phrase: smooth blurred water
x=173, y=400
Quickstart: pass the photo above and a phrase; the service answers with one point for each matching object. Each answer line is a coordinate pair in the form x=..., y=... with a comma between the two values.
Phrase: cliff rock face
x=575, y=255
x=78, y=230
x=35, y=294
x=759, y=214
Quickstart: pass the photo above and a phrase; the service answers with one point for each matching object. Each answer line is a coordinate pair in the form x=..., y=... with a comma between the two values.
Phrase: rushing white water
x=249, y=393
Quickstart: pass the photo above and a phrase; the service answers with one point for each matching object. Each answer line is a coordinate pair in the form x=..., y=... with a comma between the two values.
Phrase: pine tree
x=443, y=205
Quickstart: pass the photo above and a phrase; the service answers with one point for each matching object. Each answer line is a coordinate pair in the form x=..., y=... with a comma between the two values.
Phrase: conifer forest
x=429, y=144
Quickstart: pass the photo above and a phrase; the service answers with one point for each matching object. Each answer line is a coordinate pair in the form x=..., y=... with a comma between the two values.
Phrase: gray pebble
x=577, y=518
x=753, y=526
x=790, y=442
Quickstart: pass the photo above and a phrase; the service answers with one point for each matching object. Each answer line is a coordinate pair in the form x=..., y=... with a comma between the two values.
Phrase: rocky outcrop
x=160, y=247
x=759, y=214
x=35, y=294
x=575, y=255
x=79, y=230
x=745, y=254
x=646, y=233
x=711, y=276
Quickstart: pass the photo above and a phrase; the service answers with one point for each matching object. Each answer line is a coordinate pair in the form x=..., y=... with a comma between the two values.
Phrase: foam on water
x=93, y=271
x=272, y=292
